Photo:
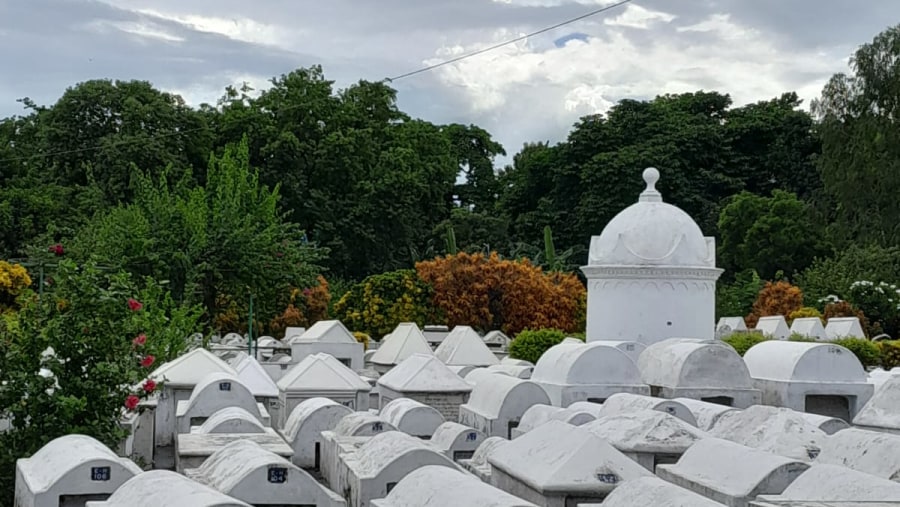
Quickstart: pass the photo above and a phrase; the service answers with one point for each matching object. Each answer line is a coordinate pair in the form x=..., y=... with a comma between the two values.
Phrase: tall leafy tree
x=106, y=132
x=475, y=152
x=860, y=161
x=768, y=234
x=225, y=238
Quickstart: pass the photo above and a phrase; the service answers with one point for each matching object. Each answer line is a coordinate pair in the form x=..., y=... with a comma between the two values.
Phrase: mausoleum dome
x=651, y=233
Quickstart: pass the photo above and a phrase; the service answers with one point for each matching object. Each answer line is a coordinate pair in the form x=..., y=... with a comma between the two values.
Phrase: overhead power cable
x=285, y=108
x=511, y=41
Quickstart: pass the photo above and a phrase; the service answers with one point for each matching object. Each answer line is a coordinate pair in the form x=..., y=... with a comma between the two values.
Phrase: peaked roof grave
x=191, y=368
x=326, y=331
x=252, y=375
x=463, y=347
x=407, y=339
x=423, y=373
x=321, y=371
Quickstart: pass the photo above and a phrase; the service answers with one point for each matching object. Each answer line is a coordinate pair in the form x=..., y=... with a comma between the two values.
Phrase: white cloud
x=636, y=16
x=558, y=85
x=237, y=28
x=146, y=30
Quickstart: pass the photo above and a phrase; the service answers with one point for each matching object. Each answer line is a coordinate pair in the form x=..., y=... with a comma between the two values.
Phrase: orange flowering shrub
x=775, y=298
x=487, y=292
x=306, y=307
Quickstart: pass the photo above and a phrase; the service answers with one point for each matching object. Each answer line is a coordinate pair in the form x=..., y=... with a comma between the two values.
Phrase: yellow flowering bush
x=362, y=338
x=805, y=312
x=377, y=304
x=14, y=280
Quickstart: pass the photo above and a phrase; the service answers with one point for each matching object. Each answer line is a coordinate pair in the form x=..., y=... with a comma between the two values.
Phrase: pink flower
x=139, y=340
x=134, y=305
x=307, y=292
x=57, y=249
x=149, y=386
x=147, y=361
x=131, y=402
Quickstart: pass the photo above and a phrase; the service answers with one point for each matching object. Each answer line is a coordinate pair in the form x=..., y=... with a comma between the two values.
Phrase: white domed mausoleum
x=651, y=274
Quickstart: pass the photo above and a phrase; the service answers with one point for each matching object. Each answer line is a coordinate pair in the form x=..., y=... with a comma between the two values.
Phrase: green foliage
x=880, y=302
x=834, y=275
x=91, y=319
x=767, y=234
x=226, y=237
x=735, y=299
x=890, y=353
x=451, y=241
x=868, y=353
x=741, y=342
x=861, y=143
x=530, y=345
x=379, y=303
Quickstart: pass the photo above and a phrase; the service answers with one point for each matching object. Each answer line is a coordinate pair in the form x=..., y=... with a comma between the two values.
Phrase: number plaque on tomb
x=278, y=475
x=100, y=473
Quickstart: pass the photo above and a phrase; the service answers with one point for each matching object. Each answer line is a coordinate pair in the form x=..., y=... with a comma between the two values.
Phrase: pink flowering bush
x=78, y=359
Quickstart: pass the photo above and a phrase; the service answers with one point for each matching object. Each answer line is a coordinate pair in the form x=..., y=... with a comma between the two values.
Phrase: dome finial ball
x=651, y=176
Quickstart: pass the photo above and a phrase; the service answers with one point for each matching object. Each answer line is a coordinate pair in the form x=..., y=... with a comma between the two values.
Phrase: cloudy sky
x=530, y=91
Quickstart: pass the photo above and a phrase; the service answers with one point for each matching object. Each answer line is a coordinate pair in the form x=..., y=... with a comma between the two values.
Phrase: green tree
x=475, y=152
x=226, y=238
x=767, y=234
x=835, y=274
x=860, y=161
x=774, y=144
x=359, y=175
x=94, y=338
x=101, y=131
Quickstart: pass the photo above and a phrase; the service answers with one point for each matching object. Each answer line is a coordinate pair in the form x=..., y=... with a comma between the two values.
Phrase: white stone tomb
x=69, y=471
x=651, y=274
x=773, y=326
x=558, y=465
x=215, y=392
x=624, y=403
x=571, y=372
x=464, y=347
x=777, y=430
x=247, y=472
x=437, y=486
x=329, y=337
x=498, y=402
x=379, y=464
x=704, y=370
x=457, y=441
x=809, y=327
x=158, y=488
x=321, y=375
x=305, y=425
x=731, y=473
x=820, y=378
x=649, y=437
x=412, y=417
x=405, y=340
x=654, y=492
x=424, y=378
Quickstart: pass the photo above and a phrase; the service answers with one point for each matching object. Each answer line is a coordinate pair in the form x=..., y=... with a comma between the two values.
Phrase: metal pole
x=250, y=329
x=41, y=283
